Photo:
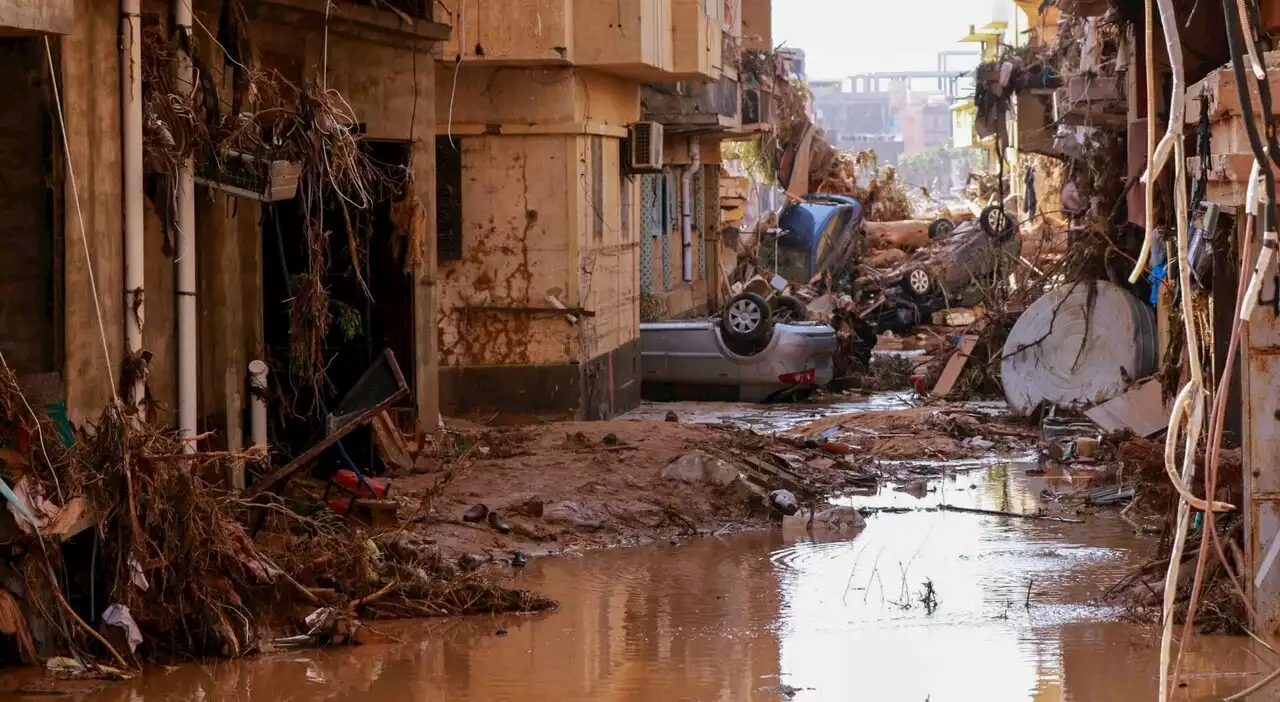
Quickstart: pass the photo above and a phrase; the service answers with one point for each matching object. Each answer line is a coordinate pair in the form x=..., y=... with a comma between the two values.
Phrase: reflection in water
x=837, y=617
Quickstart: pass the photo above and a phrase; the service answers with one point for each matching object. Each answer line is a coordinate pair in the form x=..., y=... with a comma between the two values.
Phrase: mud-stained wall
x=516, y=250
x=90, y=69
x=389, y=85
x=506, y=31
x=609, y=247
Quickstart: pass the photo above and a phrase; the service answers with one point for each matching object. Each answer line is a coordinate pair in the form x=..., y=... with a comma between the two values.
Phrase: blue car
x=821, y=234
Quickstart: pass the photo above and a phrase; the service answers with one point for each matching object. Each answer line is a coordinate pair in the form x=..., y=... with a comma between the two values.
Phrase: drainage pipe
x=258, y=404
x=131, y=147
x=185, y=264
x=686, y=194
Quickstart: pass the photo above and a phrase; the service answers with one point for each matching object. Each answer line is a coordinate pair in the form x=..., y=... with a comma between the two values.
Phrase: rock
x=841, y=518
x=532, y=507
x=611, y=440
x=700, y=469
x=743, y=491
x=783, y=501
x=672, y=416
x=574, y=514
x=470, y=561
x=915, y=488
x=477, y=513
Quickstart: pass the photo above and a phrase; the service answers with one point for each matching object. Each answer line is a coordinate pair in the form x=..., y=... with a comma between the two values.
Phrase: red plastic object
x=369, y=487
x=339, y=505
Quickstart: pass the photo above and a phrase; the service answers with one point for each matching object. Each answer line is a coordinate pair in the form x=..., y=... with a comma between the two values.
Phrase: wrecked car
x=821, y=234
x=696, y=358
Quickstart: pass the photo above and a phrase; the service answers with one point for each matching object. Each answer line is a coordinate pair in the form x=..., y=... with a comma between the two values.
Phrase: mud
x=783, y=615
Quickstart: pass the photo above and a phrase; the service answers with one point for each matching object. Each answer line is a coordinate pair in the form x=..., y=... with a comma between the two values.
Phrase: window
x=448, y=199
x=793, y=264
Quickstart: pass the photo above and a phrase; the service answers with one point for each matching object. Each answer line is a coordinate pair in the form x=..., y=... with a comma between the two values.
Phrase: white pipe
x=1177, y=110
x=185, y=265
x=131, y=154
x=686, y=234
x=258, y=404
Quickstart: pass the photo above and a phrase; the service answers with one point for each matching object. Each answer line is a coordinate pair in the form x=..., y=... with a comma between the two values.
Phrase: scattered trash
x=784, y=502
x=118, y=615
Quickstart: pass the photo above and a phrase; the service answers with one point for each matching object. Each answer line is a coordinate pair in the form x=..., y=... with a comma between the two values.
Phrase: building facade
x=184, y=305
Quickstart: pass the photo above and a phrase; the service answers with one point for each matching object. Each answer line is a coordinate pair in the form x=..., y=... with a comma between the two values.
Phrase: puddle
x=832, y=617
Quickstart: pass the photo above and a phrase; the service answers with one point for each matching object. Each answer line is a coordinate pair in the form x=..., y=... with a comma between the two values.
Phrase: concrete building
x=82, y=244
x=548, y=229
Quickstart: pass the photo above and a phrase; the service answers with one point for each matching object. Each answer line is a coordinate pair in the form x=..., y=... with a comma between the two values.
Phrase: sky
x=843, y=37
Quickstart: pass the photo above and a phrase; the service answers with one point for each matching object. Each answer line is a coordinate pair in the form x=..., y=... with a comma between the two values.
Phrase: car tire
x=788, y=310
x=917, y=282
x=997, y=224
x=746, y=318
x=941, y=228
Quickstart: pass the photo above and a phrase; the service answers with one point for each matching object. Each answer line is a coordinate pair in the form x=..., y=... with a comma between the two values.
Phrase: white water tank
x=1078, y=345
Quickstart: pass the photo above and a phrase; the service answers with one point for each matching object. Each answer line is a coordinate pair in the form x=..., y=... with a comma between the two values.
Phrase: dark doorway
x=366, y=317
x=30, y=293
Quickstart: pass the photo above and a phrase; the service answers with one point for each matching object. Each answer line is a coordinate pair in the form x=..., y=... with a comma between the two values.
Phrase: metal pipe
x=686, y=194
x=131, y=148
x=258, y=404
x=185, y=264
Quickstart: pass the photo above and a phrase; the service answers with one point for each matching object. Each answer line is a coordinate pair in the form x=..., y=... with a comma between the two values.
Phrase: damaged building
x=195, y=264
x=577, y=184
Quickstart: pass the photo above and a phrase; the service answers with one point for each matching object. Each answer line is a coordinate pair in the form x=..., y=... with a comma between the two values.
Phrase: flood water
x=782, y=615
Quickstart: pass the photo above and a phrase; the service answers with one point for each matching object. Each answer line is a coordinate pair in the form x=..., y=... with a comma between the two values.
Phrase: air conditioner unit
x=646, y=147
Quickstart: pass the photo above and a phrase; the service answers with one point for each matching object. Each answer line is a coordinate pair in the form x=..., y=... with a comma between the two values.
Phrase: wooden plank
x=389, y=441
x=955, y=366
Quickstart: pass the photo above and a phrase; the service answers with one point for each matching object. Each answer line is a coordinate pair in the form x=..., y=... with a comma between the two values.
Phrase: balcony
x=632, y=38
x=712, y=107
x=757, y=25
x=43, y=17
x=696, y=33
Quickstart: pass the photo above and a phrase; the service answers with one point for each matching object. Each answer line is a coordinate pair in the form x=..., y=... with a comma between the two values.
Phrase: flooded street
x=922, y=605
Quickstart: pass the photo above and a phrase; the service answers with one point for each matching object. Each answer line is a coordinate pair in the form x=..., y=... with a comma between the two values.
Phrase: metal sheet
x=1261, y=446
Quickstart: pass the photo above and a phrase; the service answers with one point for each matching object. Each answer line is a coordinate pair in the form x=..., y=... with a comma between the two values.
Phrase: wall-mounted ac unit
x=646, y=147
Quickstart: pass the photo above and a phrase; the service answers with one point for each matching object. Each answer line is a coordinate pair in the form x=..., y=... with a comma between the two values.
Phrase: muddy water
x=821, y=617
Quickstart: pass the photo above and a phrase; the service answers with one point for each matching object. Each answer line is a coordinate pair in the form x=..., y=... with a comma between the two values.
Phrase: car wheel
x=746, y=317
x=789, y=310
x=997, y=224
x=917, y=282
x=941, y=228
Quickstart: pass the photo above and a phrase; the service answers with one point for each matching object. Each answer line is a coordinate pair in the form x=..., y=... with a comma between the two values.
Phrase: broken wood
x=906, y=234
x=390, y=443
x=955, y=366
x=1015, y=515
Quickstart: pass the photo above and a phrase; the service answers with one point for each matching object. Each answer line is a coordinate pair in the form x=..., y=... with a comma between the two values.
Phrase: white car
x=693, y=355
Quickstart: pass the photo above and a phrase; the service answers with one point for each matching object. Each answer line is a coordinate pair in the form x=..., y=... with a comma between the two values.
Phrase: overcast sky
x=842, y=37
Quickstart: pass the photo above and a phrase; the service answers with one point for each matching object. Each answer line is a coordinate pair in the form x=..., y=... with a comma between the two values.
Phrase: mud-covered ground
x=563, y=486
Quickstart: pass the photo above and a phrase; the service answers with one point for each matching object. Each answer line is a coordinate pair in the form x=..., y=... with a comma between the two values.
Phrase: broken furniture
x=381, y=386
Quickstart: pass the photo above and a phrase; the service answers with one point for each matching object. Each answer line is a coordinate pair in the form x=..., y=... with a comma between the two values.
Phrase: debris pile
x=121, y=549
